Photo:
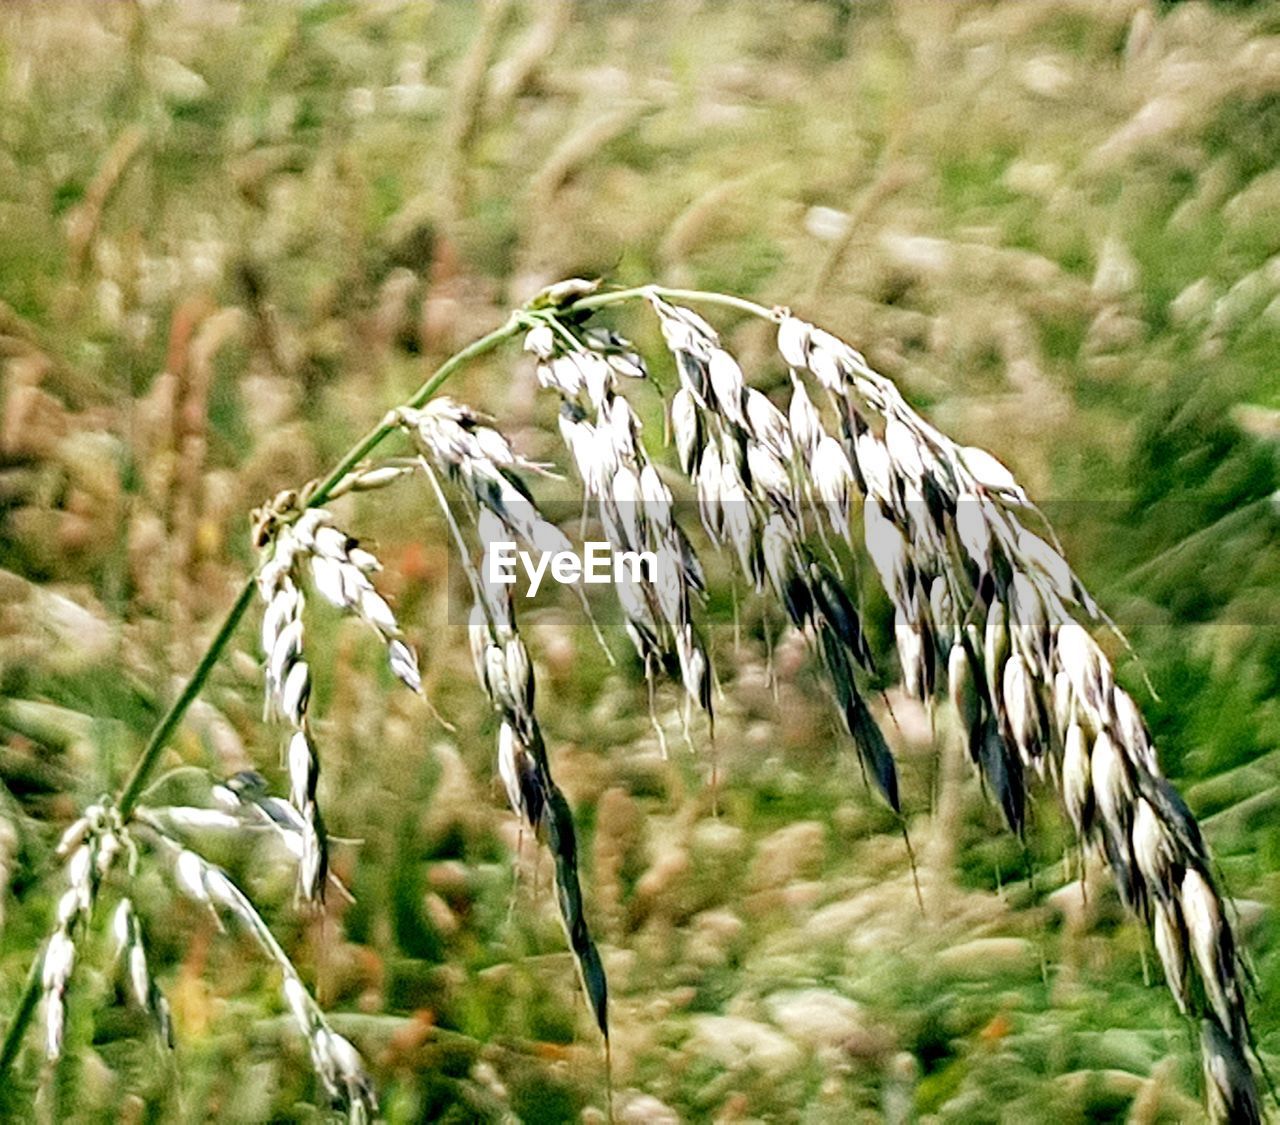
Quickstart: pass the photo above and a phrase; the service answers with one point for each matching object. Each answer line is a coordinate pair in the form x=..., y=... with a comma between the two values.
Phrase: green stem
x=618, y=296
x=375, y=436
x=22, y=1017
x=160, y=735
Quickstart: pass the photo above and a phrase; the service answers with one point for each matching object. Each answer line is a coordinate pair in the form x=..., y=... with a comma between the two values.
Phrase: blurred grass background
x=232, y=235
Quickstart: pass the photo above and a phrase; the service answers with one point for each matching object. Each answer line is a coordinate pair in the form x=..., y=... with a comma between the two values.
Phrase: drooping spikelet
x=336, y=1062
x=978, y=593
x=479, y=458
x=338, y=568
x=506, y=674
x=131, y=957
x=753, y=470
x=89, y=847
x=602, y=435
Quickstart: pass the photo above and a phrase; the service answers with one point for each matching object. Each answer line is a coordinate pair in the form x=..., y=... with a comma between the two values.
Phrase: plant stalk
x=26, y=1009
x=618, y=296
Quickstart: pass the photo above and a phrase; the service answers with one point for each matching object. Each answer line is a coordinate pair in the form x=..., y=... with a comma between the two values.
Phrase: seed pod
x=887, y=548
x=1113, y=793
x=1021, y=708
x=738, y=520
x=902, y=450
x=974, y=532
x=642, y=626
x=73, y=837
x=1063, y=702
x=1003, y=771
x=694, y=667
x=1131, y=730
x=296, y=692
x=911, y=654
x=875, y=467
x=872, y=749
x=302, y=770
x=1045, y=559
x=695, y=376
x=285, y=653
x=793, y=341
x=492, y=445
x=519, y=673
x=541, y=341
x=404, y=664
x=806, y=424
x=1112, y=787
x=942, y=612
x=1171, y=943
x=767, y=424
x=623, y=425
x=838, y=610
x=59, y=957
x=707, y=484
x=686, y=427
x=777, y=552
x=1077, y=783
x=656, y=497
x=515, y=769
x=501, y=692
x=188, y=870
x=624, y=492
x=828, y=360
x=1028, y=621
x=990, y=474
x=373, y=607
x=833, y=481
x=1088, y=670
x=1152, y=847
x=669, y=584
x=995, y=649
x=769, y=477
x=1206, y=932
x=963, y=691
x=728, y=385
x=1229, y=1084
x=597, y=377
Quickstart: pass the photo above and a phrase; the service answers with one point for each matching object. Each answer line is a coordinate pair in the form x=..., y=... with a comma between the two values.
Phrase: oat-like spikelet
x=980, y=595
x=506, y=674
x=245, y=801
x=447, y=435
x=336, y=1062
x=131, y=957
x=460, y=443
x=89, y=847
x=338, y=568
x=740, y=452
x=602, y=435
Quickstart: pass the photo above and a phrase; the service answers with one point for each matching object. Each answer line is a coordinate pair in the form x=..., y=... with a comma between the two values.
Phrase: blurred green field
x=232, y=235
